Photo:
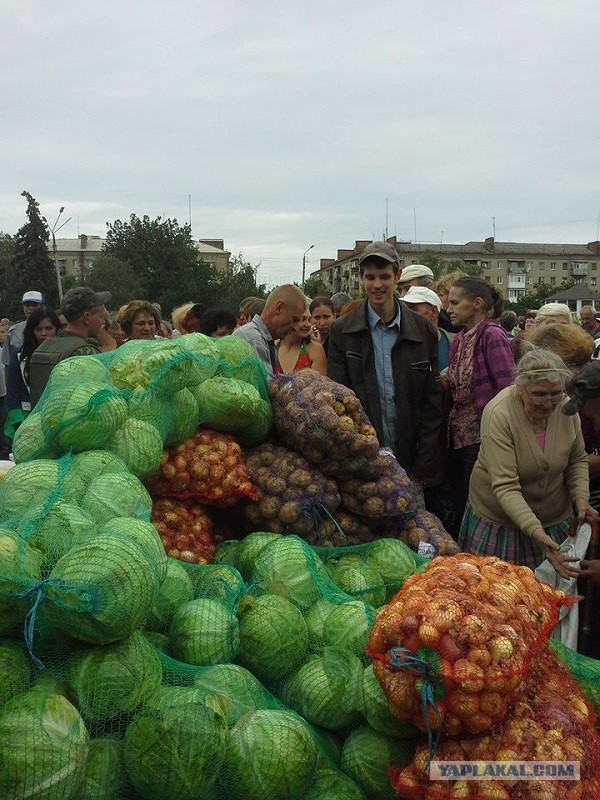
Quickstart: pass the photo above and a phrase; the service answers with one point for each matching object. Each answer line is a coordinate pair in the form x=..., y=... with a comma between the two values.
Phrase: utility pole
x=304, y=265
x=54, y=230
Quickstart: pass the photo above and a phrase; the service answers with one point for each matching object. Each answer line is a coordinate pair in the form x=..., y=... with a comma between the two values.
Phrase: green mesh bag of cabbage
x=584, y=669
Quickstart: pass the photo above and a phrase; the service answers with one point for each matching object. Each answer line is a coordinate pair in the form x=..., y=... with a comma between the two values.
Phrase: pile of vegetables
x=185, y=529
x=291, y=493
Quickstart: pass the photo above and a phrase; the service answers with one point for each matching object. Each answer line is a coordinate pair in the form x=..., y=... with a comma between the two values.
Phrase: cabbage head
x=205, y=357
x=175, y=590
x=14, y=671
x=271, y=755
x=43, y=747
x=204, y=632
x=140, y=446
x=32, y=441
x=367, y=757
x=114, y=679
x=84, y=467
x=100, y=592
x=20, y=565
x=226, y=404
x=81, y=416
x=376, y=711
x=226, y=553
x=315, y=618
x=55, y=532
x=145, y=535
x=288, y=567
x=348, y=627
x=217, y=582
x=393, y=560
x=117, y=495
x=104, y=776
x=184, y=417
x=273, y=637
x=249, y=548
x=147, y=407
x=326, y=691
x=27, y=485
x=238, y=360
x=175, y=745
x=331, y=784
x=160, y=365
x=78, y=369
x=353, y=575
x=237, y=690
x=259, y=429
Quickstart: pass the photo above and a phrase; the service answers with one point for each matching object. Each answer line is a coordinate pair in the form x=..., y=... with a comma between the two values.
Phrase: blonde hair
x=178, y=314
x=447, y=281
x=570, y=342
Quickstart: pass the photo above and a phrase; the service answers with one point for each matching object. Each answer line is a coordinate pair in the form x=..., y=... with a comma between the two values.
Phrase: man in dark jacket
x=387, y=354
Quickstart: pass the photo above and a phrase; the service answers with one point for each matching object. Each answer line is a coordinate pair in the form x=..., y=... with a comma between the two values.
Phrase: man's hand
x=591, y=570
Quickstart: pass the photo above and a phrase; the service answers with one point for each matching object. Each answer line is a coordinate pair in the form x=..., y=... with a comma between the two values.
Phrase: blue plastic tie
x=29, y=624
x=401, y=658
x=318, y=509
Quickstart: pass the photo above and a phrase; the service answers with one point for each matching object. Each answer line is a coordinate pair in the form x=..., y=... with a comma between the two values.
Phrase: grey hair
x=538, y=364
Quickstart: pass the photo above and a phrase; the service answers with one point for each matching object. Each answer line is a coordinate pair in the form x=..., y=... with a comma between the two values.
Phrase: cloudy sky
x=290, y=124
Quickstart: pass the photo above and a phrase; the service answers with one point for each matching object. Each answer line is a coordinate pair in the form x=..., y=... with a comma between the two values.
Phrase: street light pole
x=53, y=231
x=304, y=265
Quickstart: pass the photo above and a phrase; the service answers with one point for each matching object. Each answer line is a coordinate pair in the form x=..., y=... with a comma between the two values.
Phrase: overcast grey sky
x=291, y=123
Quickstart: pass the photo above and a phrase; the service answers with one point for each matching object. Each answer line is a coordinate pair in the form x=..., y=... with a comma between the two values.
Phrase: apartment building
x=77, y=256
x=514, y=268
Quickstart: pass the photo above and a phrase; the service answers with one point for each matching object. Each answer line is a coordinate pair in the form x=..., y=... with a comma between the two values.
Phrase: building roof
x=580, y=292
x=92, y=243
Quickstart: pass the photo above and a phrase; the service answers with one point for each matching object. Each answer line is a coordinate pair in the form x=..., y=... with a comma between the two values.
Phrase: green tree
x=238, y=282
x=314, y=287
x=163, y=256
x=9, y=295
x=536, y=297
x=441, y=266
x=32, y=267
x=117, y=276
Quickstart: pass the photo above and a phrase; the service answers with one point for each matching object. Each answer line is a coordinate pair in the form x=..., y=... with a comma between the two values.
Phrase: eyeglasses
x=539, y=398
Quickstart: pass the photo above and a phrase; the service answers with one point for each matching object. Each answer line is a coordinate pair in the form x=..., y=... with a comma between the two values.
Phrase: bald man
x=284, y=308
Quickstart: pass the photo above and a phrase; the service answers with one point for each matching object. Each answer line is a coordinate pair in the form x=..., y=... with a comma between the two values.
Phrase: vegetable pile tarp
x=133, y=400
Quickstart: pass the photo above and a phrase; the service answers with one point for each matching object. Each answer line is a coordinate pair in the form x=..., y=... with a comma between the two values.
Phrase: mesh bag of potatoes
x=325, y=422
x=550, y=722
x=466, y=626
x=293, y=495
x=389, y=495
x=426, y=529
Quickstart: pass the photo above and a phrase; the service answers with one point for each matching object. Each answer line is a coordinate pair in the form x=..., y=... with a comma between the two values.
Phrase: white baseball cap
x=421, y=294
x=32, y=297
x=415, y=271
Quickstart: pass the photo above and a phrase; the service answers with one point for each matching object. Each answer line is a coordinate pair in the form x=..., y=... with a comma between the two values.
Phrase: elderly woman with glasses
x=531, y=476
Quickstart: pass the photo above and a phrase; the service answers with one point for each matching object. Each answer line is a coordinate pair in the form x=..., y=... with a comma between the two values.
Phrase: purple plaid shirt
x=493, y=362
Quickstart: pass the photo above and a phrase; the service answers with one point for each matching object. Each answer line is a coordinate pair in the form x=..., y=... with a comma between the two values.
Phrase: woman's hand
x=584, y=512
x=315, y=334
x=560, y=562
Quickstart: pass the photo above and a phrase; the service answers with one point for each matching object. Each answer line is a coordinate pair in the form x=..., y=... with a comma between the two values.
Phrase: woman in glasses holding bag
x=531, y=476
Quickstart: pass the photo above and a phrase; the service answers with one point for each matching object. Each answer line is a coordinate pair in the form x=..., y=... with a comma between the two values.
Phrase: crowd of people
x=473, y=401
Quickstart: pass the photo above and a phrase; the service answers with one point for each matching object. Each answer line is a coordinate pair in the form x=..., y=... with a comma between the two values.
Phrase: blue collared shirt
x=384, y=337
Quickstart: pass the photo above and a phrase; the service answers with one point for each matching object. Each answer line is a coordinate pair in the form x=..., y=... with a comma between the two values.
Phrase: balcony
x=579, y=269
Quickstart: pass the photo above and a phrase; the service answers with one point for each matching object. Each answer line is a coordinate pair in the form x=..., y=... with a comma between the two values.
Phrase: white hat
x=32, y=297
x=554, y=310
x=421, y=294
x=415, y=271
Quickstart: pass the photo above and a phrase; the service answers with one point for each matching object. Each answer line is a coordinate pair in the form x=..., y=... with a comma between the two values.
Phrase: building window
x=62, y=266
x=540, y=280
x=553, y=265
x=565, y=266
x=594, y=265
x=499, y=265
x=553, y=281
x=485, y=264
x=89, y=264
x=541, y=266
x=529, y=279
x=593, y=281
x=499, y=278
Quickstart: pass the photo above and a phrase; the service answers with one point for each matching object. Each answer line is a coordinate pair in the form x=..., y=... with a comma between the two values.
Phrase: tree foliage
x=536, y=297
x=117, y=276
x=314, y=287
x=31, y=266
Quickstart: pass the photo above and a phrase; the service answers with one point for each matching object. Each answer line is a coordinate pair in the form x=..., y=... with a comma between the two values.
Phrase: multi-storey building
x=77, y=256
x=512, y=267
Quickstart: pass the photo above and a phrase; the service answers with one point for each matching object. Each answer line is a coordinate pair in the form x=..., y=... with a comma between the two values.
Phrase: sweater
x=513, y=482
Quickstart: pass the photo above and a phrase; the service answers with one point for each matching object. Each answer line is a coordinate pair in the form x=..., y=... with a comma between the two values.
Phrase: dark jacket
x=50, y=352
x=418, y=395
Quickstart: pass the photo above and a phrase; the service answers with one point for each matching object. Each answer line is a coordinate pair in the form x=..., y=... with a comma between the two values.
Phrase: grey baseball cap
x=384, y=250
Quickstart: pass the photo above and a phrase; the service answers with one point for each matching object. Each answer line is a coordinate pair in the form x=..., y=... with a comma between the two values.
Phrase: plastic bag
x=389, y=496
x=185, y=528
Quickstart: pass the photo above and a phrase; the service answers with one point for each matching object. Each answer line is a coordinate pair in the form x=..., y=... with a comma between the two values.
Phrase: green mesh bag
x=234, y=406
x=238, y=359
x=584, y=669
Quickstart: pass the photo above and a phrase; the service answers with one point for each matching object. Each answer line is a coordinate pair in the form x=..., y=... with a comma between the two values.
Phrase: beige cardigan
x=513, y=482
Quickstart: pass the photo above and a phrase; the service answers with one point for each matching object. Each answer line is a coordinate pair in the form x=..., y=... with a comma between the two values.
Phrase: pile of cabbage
x=126, y=674
x=135, y=400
